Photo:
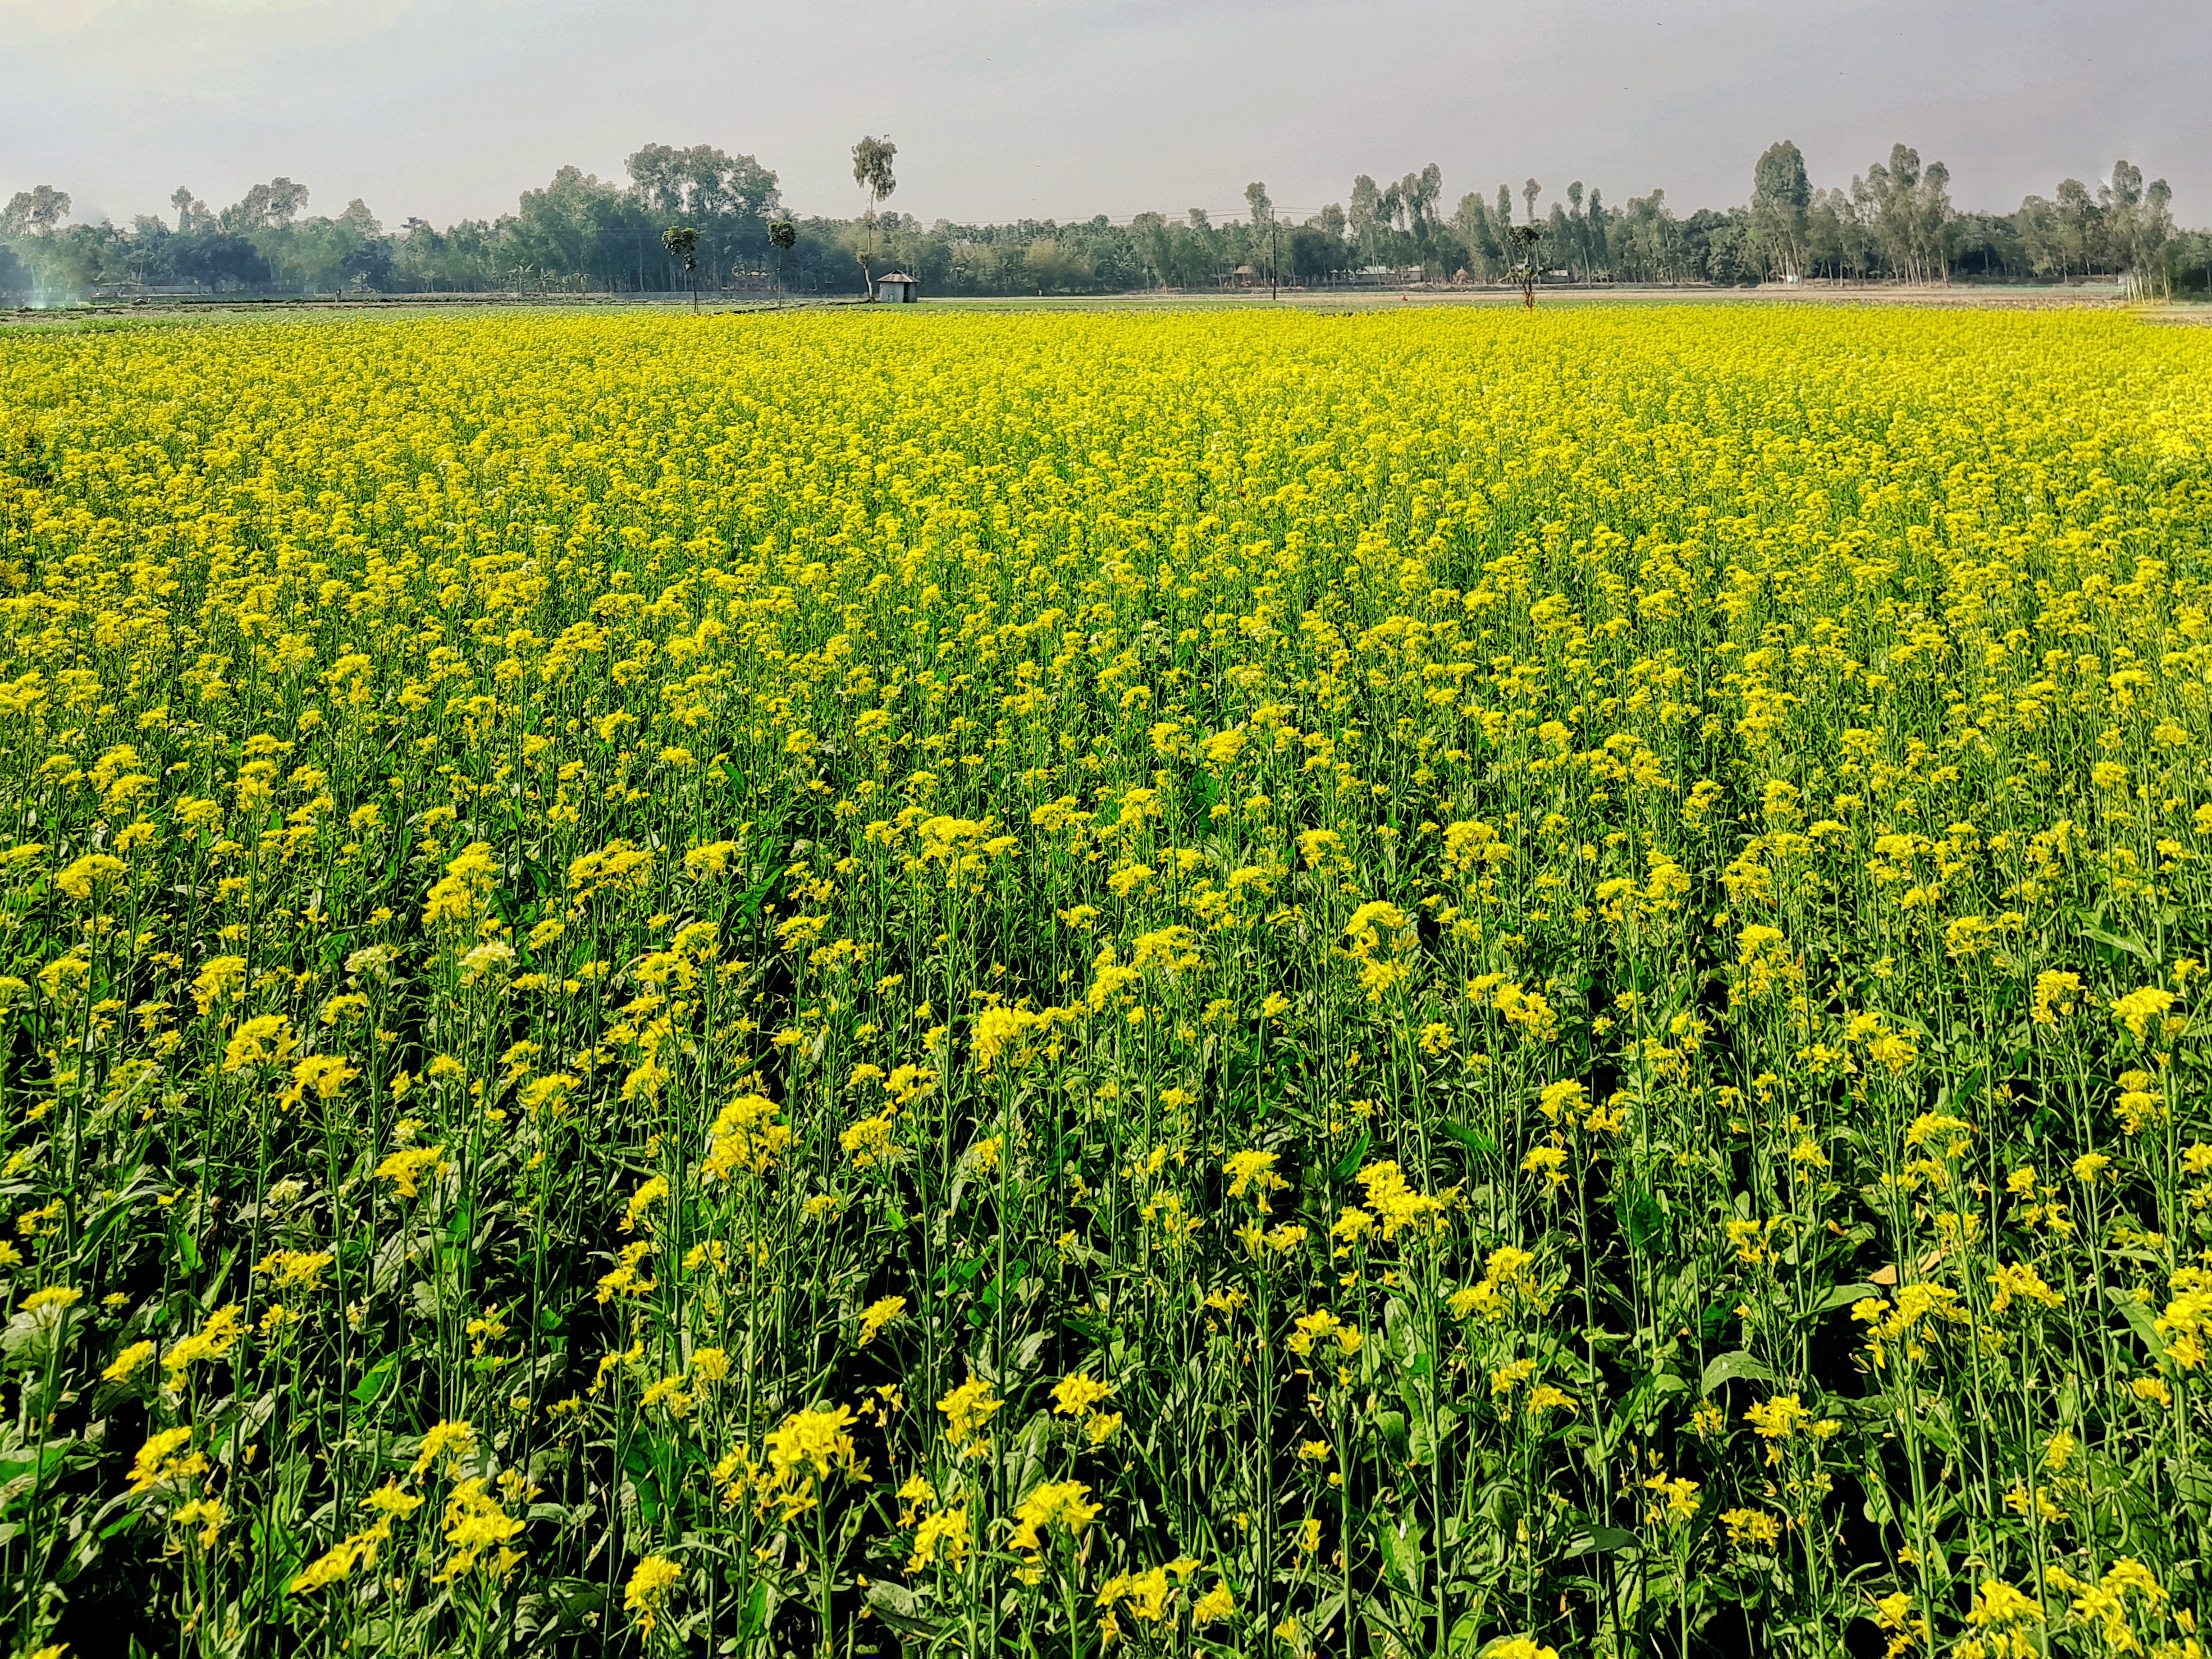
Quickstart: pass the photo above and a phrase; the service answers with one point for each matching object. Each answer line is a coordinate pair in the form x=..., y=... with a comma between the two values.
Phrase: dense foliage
x=582, y=234
x=1272, y=985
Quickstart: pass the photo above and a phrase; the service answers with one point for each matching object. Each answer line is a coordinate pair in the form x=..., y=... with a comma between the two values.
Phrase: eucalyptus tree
x=35, y=212
x=871, y=171
x=1365, y=215
x=1263, y=222
x=1781, y=200
x=1910, y=208
x=2137, y=222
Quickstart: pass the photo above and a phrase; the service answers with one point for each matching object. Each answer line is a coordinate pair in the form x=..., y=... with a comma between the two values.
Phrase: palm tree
x=682, y=242
x=782, y=234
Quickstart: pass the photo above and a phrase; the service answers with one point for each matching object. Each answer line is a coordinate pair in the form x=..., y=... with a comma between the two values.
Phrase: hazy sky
x=1011, y=108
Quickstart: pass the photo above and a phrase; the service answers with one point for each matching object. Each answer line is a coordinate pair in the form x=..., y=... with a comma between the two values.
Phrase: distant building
x=898, y=287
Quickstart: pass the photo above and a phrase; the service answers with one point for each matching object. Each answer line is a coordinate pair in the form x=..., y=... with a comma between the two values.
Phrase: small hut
x=897, y=287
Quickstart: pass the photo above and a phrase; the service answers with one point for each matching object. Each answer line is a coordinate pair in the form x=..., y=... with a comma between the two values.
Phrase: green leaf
x=1737, y=1367
x=1399, y=1547
x=1473, y=1138
x=1016, y=1271
x=2134, y=948
x=1391, y=1426
x=2139, y=1319
x=1843, y=1295
x=2192, y=1480
x=750, y=901
x=1205, y=789
x=376, y=1379
x=1600, y=1540
x=1642, y=1218
x=568, y=1605
x=895, y=1605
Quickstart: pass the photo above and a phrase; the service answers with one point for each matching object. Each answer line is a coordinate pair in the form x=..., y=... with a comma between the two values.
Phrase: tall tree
x=1418, y=193
x=1263, y=226
x=1150, y=233
x=1910, y=209
x=1365, y=215
x=35, y=212
x=192, y=214
x=2080, y=226
x=1319, y=251
x=1476, y=228
x=2036, y=223
x=1199, y=248
x=728, y=198
x=582, y=228
x=2137, y=222
x=871, y=172
x=266, y=207
x=2157, y=235
x=1932, y=215
x=1781, y=198
x=1651, y=242
x=1835, y=232
x=1530, y=192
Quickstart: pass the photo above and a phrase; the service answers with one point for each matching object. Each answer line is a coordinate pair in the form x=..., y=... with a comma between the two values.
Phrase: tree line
x=1895, y=220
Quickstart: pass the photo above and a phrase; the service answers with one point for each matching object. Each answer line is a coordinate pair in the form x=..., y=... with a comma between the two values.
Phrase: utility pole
x=1274, y=271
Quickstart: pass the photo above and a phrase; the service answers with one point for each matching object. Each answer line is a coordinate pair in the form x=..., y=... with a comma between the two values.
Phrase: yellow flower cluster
x=1471, y=984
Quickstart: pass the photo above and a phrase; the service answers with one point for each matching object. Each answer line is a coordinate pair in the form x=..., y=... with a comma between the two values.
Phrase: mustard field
x=1473, y=983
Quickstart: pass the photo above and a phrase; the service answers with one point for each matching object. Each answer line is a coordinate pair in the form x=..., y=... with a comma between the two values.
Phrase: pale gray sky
x=1009, y=108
